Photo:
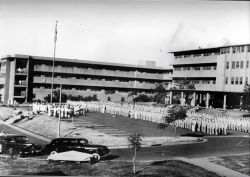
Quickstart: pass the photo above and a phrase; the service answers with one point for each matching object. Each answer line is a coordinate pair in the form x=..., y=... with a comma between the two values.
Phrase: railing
x=21, y=83
x=21, y=71
x=195, y=73
x=196, y=60
x=102, y=72
x=89, y=82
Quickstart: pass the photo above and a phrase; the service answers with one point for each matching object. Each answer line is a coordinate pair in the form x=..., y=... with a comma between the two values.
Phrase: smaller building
x=219, y=74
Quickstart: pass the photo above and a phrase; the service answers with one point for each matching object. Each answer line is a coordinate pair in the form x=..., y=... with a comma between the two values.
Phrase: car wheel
x=53, y=152
x=96, y=156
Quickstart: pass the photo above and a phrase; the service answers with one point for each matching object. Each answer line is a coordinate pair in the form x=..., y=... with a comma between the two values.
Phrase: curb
x=159, y=144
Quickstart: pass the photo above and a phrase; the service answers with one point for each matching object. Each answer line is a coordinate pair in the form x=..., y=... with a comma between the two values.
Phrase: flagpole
x=53, y=67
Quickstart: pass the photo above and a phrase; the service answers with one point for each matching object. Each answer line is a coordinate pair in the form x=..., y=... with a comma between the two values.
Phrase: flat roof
x=85, y=62
x=208, y=49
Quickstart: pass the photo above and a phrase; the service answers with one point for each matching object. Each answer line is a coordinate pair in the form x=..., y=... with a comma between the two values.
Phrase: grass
x=240, y=163
x=171, y=168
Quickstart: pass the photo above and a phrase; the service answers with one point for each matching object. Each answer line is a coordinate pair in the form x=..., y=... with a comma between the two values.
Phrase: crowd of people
x=67, y=110
x=197, y=121
x=134, y=111
x=213, y=124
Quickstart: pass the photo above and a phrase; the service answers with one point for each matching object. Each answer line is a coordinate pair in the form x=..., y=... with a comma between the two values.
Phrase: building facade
x=27, y=78
x=219, y=74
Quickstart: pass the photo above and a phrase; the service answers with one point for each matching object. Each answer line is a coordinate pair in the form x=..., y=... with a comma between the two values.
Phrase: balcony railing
x=101, y=83
x=195, y=73
x=21, y=71
x=21, y=83
x=101, y=72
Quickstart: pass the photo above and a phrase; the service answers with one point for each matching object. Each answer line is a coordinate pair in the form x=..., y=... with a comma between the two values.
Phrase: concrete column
x=182, y=98
x=170, y=97
x=225, y=102
x=194, y=99
x=207, y=101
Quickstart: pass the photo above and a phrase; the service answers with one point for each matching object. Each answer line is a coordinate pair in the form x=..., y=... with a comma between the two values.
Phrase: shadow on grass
x=52, y=173
x=195, y=134
x=111, y=157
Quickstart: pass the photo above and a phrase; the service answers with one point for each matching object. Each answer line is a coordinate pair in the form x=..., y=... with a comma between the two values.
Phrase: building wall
x=218, y=77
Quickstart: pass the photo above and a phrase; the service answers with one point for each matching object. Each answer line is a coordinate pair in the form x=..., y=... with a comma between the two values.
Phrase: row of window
x=194, y=55
x=237, y=64
x=237, y=49
x=236, y=80
x=201, y=81
x=195, y=68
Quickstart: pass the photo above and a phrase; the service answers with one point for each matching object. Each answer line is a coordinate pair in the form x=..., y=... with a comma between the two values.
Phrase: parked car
x=72, y=156
x=18, y=145
x=76, y=144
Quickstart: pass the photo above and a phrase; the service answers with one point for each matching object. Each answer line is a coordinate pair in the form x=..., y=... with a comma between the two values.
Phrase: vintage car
x=72, y=156
x=76, y=144
x=18, y=145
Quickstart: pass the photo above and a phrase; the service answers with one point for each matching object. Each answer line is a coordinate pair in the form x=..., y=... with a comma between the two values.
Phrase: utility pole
x=60, y=105
x=53, y=67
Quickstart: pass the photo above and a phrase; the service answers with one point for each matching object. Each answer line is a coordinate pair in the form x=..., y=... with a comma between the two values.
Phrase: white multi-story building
x=219, y=74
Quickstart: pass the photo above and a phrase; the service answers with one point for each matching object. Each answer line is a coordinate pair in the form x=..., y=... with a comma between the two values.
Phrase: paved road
x=215, y=146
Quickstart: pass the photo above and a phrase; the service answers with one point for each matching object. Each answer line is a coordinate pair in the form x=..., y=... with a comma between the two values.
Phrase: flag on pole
x=55, y=32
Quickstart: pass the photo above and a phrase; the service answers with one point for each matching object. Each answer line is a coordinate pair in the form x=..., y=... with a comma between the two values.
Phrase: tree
x=161, y=92
x=56, y=97
x=133, y=93
x=135, y=142
x=175, y=113
x=246, y=97
x=143, y=98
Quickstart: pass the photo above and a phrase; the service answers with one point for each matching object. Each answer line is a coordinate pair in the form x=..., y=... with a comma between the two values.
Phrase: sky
x=120, y=31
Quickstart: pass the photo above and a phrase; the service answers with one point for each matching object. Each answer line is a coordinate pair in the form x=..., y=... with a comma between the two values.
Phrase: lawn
x=240, y=163
x=171, y=168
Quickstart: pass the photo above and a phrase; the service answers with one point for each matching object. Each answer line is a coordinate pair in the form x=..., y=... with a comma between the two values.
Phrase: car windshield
x=21, y=139
x=84, y=141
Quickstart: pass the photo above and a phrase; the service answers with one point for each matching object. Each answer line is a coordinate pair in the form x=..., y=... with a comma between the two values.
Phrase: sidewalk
x=206, y=164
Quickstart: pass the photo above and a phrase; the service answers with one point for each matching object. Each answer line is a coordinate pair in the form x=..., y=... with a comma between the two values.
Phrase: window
x=214, y=81
x=237, y=64
x=206, y=68
x=205, y=81
x=234, y=49
x=215, y=67
x=241, y=64
x=241, y=80
x=226, y=80
x=238, y=49
x=236, y=80
x=248, y=48
x=207, y=54
x=233, y=64
x=186, y=68
x=246, y=80
x=227, y=65
x=197, y=68
x=247, y=65
x=177, y=69
x=242, y=48
x=232, y=80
